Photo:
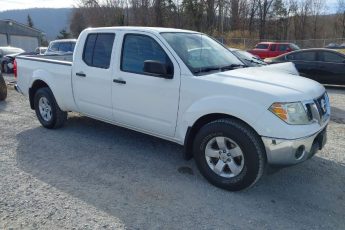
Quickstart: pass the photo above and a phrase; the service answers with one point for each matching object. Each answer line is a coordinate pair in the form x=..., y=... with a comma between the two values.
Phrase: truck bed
x=54, y=70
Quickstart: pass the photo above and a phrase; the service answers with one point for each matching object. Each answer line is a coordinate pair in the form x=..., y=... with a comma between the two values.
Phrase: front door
x=141, y=100
x=305, y=62
x=272, y=51
x=92, y=76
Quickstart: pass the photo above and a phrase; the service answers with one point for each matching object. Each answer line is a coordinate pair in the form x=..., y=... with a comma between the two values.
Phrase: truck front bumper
x=288, y=152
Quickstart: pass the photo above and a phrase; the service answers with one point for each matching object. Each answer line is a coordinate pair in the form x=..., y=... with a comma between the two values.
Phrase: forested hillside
x=263, y=19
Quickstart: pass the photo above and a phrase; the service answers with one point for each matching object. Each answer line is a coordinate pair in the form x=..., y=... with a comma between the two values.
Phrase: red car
x=272, y=49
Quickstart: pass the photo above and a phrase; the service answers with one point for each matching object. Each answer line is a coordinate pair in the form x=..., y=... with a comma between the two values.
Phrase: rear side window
x=88, y=48
x=139, y=48
x=283, y=47
x=302, y=56
x=97, y=50
x=332, y=57
x=262, y=46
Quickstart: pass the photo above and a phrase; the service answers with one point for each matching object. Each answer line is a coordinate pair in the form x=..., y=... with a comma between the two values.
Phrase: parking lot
x=92, y=175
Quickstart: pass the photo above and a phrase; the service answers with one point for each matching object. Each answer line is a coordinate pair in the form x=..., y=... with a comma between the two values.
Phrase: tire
x=47, y=110
x=6, y=70
x=3, y=88
x=229, y=154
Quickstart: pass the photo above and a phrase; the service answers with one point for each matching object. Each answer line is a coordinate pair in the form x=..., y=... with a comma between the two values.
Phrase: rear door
x=92, y=76
x=142, y=100
x=332, y=68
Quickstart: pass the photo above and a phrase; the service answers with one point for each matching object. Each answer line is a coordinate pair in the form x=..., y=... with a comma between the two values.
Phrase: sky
x=25, y=4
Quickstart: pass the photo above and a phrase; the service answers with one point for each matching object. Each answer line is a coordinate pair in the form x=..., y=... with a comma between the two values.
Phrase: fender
x=59, y=84
x=241, y=108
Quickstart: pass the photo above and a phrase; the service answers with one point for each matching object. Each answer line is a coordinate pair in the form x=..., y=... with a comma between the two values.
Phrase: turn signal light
x=278, y=110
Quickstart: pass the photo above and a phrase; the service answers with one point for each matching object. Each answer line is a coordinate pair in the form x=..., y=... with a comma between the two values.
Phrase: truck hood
x=278, y=85
x=287, y=67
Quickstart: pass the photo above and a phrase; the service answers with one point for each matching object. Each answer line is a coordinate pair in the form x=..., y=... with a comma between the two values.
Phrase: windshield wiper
x=219, y=68
x=206, y=69
x=253, y=61
x=232, y=66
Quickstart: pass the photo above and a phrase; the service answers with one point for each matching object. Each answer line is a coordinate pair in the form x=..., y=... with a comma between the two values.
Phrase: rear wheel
x=47, y=110
x=229, y=154
x=3, y=88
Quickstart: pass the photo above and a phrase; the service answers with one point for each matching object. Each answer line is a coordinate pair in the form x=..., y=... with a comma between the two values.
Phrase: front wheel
x=229, y=154
x=47, y=110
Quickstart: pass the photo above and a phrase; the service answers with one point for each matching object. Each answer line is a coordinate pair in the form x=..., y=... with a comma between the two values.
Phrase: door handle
x=80, y=74
x=119, y=81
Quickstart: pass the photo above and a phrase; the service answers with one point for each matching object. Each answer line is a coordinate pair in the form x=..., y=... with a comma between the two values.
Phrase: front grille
x=321, y=104
x=318, y=109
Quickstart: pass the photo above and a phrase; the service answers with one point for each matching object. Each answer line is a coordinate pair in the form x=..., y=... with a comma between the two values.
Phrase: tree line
x=259, y=19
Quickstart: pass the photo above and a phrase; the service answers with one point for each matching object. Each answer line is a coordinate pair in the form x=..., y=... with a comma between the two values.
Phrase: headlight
x=292, y=113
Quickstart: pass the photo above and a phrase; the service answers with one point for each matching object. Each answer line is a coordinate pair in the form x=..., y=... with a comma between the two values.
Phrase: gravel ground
x=92, y=175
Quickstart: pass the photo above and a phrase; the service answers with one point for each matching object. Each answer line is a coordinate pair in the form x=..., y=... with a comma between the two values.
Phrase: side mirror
x=288, y=49
x=157, y=69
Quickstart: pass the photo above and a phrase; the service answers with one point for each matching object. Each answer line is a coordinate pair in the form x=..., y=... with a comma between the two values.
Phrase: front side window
x=97, y=50
x=302, y=56
x=273, y=47
x=200, y=53
x=140, y=48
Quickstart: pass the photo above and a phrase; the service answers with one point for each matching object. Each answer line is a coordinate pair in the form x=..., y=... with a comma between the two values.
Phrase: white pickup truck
x=185, y=87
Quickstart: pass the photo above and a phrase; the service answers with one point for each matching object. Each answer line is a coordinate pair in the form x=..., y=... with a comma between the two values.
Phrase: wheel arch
x=199, y=123
x=36, y=85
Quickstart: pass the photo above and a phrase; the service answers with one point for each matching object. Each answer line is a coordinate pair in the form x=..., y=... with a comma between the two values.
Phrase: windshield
x=294, y=46
x=249, y=58
x=262, y=46
x=201, y=53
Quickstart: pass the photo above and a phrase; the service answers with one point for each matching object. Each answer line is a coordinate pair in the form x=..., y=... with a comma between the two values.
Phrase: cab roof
x=275, y=43
x=143, y=29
